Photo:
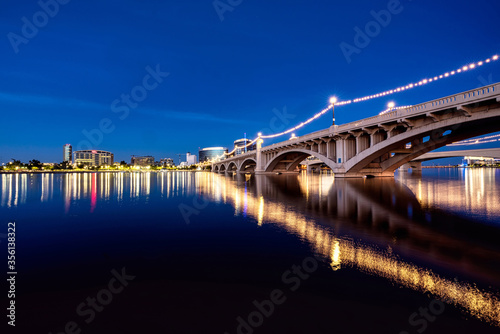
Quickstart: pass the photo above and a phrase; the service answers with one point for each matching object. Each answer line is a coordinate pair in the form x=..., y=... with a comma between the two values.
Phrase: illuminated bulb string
x=422, y=82
x=298, y=126
x=222, y=155
x=390, y=92
x=392, y=109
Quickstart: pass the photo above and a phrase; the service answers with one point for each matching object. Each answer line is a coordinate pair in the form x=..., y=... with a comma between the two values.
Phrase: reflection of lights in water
x=93, y=194
x=237, y=203
x=245, y=208
x=479, y=303
x=335, y=264
x=261, y=211
x=475, y=191
x=337, y=251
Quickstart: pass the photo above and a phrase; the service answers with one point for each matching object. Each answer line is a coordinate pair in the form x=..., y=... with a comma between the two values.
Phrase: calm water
x=207, y=253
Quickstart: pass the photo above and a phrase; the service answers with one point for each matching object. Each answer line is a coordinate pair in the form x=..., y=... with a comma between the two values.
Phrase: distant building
x=191, y=159
x=167, y=162
x=211, y=153
x=239, y=146
x=93, y=158
x=470, y=161
x=67, y=152
x=142, y=161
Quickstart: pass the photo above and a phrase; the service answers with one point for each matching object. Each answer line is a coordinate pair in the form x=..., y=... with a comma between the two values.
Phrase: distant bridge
x=416, y=164
x=487, y=152
x=379, y=145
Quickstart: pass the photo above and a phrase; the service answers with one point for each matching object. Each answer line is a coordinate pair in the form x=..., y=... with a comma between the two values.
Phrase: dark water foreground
x=175, y=252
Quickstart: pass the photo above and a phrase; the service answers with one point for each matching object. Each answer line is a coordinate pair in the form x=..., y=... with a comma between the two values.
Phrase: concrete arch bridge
x=379, y=145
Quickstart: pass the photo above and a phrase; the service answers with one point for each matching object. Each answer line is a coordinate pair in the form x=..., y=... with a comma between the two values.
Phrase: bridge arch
x=288, y=160
x=232, y=167
x=377, y=160
x=248, y=165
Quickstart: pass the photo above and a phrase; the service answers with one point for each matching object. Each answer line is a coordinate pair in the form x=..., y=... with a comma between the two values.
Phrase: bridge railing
x=239, y=156
x=454, y=100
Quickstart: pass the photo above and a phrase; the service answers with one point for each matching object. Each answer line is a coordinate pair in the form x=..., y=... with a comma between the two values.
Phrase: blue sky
x=226, y=77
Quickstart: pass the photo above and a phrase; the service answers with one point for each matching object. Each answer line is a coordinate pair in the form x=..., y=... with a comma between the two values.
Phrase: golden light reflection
x=475, y=190
x=338, y=251
x=260, y=218
x=335, y=255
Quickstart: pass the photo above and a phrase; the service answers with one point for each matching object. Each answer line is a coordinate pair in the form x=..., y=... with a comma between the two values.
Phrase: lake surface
x=195, y=252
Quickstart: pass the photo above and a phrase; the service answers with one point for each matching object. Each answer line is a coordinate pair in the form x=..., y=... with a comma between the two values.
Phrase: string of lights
x=322, y=112
x=425, y=81
x=251, y=143
x=334, y=103
x=422, y=82
x=392, y=109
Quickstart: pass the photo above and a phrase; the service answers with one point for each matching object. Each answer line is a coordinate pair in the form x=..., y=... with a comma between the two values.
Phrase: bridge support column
x=339, y=145
x=259, y=169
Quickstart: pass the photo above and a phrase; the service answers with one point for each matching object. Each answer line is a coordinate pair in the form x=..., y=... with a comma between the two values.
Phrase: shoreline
x=89, y=171
x=171, y=170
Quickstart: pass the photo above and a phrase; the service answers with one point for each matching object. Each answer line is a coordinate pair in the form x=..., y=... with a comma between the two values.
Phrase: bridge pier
x=259, y=169
x=416, y=166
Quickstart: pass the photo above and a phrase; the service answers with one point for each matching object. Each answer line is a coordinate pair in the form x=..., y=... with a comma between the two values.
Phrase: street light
x=391, y=105
x=333, y=100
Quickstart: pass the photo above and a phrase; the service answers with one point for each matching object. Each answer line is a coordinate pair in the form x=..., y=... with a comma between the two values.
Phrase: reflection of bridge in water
x=332, y=216
x=368, y=211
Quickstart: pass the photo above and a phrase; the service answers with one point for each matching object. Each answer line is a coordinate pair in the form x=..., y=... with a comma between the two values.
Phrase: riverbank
x=92, y=171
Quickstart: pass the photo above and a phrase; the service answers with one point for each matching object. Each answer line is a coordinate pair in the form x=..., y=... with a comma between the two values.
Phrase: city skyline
x=209, y=79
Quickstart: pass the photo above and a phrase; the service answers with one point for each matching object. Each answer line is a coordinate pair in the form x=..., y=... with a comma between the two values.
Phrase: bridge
x=379, y=145
x=416, y=164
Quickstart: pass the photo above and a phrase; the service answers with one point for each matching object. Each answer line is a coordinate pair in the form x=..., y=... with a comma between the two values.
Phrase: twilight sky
x=242, y=68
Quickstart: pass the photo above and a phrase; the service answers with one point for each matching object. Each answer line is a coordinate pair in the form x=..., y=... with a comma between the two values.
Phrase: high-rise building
x=93, y=158
x=142, y=161
x=191, y=159
x=241, y=147
x=212, y=153
x=67, y=152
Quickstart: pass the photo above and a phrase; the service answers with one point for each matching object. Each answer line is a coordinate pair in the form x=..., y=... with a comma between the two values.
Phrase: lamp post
x=391, y=106
x=333, y=100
